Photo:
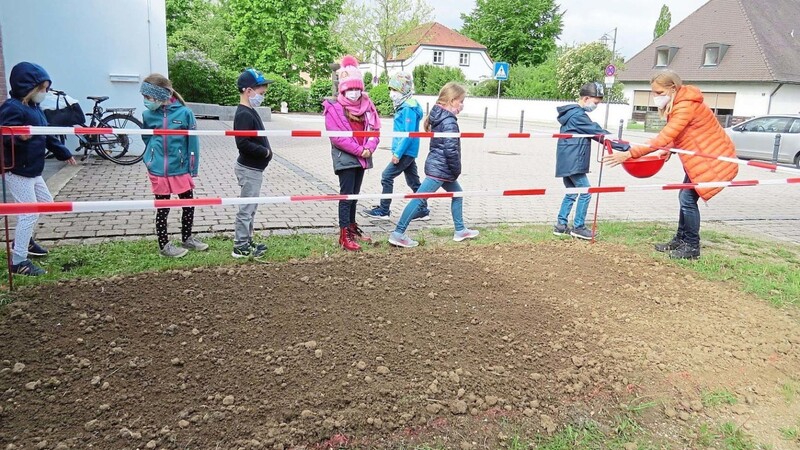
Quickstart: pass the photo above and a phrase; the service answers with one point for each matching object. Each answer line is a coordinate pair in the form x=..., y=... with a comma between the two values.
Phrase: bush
x=367, y=80
x=487, y=88
x=380, y=96
x=199, y=79
x=429, y=79
x=320, y=89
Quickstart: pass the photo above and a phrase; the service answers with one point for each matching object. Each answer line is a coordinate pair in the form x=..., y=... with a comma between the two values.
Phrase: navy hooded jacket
x=28, y=155
x=444, y=159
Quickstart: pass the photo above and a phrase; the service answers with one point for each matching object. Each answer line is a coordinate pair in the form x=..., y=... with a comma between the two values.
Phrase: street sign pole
x=500, y=74
x=613, y=70
x=497, y=108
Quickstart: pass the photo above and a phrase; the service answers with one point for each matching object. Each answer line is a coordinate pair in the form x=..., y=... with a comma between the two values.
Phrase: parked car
x=755, y=138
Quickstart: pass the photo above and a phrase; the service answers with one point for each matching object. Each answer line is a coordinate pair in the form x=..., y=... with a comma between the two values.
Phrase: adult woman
x=690, y=125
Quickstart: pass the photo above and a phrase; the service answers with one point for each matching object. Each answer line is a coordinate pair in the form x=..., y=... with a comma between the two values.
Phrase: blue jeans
x=577, y=180
x=689, y=217
x=406, y=166
x=431, y=185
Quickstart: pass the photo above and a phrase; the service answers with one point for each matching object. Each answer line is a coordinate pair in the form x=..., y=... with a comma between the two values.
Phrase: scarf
x=360, y=107
x=401, y=100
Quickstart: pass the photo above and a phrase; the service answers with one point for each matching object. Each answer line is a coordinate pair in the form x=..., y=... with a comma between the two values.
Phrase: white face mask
x=255, y=100
x=352, y=95
x=395, y=96
x=661, y=101
x=38, y=97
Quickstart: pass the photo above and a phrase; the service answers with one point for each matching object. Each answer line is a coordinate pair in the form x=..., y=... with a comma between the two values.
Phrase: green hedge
x=201, y=80
x=380, y=96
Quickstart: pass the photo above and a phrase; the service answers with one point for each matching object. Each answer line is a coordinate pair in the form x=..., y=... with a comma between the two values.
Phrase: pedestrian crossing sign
x=501, y=71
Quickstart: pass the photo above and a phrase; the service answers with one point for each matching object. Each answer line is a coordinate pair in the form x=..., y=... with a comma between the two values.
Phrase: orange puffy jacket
x=691, y=125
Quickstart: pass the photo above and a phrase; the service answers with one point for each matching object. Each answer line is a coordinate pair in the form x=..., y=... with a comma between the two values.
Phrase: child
x=573, y=156
x=29, y=84
x=352, y=110
x=171, y=161
x=255, y=154
x=442, y=166
x=407, y=115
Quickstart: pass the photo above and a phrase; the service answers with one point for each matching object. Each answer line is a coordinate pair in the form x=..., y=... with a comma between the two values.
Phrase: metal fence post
x=619, y=131
x=485, y=115
x=521, y=119
x=776, y=149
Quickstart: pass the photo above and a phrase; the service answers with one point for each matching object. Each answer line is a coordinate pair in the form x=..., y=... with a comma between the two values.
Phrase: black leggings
x=349, y=183
x=187, y=218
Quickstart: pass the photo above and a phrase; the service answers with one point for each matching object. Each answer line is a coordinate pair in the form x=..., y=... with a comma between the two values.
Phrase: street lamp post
x=604, y=39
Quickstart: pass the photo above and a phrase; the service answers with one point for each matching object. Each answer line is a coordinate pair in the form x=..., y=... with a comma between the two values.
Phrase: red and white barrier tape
x=23, y=130
x=128, y=205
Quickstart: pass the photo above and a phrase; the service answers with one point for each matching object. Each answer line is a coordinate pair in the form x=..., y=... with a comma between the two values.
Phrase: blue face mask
x=151, y=105
x=589, y=107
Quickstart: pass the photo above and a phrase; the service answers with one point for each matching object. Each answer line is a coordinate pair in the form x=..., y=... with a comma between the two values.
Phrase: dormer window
x=713, y=54
x=664, y=55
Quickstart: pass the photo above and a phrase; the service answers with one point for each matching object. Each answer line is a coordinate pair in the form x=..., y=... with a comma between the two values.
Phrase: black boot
x=685, y=251
x=669, y=246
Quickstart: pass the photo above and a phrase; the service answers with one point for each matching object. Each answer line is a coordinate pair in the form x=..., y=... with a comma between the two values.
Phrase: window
x=463, y=59
x=713, y=54
x=795, y=128
x=664, y=55
x=768, y=124
x=438, y=57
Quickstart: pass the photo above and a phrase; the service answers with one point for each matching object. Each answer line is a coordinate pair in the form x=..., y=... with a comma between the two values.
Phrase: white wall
x=752, y=99
x=543, y=111
x=89, y=47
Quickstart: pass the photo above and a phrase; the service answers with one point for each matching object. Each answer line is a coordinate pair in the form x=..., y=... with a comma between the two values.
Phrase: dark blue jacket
x=573, y=155
x=444, y=159
x=28, y=155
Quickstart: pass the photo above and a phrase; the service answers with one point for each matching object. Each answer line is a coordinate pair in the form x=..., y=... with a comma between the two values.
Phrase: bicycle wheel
x=125, y=149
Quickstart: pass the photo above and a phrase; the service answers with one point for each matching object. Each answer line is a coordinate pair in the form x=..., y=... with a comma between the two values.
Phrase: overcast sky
x=588, y=20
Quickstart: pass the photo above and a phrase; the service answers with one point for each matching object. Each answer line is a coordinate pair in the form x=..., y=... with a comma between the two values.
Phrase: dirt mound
x=376, y=349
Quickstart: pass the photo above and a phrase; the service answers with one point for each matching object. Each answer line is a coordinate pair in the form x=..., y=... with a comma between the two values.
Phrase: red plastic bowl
x=644, y=167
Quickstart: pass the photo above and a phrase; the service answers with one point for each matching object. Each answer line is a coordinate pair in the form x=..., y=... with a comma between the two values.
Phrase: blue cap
x=251, y=78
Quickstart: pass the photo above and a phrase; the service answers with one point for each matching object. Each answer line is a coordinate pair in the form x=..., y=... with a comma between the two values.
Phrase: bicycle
x=124, y=149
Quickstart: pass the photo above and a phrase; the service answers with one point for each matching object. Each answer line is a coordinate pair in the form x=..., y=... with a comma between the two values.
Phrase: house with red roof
x=434, y=43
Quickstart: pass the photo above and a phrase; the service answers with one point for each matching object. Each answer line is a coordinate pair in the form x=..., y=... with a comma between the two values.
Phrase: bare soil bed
x=446, y=345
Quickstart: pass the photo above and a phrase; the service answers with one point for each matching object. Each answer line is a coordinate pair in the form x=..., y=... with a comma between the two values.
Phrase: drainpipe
x=772, y=94
x=149, y=37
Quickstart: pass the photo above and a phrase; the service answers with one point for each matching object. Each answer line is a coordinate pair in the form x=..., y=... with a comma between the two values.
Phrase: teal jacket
x=407, y=118
x=171, y=155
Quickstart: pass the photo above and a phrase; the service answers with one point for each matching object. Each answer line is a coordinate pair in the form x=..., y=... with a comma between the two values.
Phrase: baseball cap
x=251, y=78
x=592, y=89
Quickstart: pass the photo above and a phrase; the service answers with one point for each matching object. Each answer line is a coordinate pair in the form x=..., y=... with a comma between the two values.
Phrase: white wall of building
x=752, y=99
x=543, y=111
x=89, y=47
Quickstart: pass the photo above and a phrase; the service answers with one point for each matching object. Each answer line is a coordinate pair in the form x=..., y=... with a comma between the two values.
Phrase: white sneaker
x=466, y=233
x=172, y=251
x=402, y=240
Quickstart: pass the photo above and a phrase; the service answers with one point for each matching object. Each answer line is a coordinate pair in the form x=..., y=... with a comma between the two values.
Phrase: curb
x=60, y=179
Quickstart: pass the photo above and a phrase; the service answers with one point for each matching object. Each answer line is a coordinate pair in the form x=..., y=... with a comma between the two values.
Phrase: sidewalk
x=303, y=166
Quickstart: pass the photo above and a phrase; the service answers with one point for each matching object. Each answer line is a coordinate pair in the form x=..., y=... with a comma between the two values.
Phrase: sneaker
x=173, y=251
x=34, y=249
x=258, y=247
x=685, y=251
x=402, y=240
x=669, y=246
x=466, y=233
x=27, y=268
x=561, y=229
x=377, y=213
x=194, y=244
x=582, y=233
x=423, y=214
x=249, y=251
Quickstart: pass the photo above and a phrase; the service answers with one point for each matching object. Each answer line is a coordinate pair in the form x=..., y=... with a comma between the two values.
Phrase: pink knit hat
x=349, y=75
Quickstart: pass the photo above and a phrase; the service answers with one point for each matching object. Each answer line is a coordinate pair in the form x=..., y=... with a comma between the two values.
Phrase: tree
x=201, y=27
x=429, y=79
x=284, y=37
x=517, y=31
x=586, y=63
x=379, y=26
x=663, y=22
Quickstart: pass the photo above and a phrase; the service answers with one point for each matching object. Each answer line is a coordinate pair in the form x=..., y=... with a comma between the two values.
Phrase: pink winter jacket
x=335, y=120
